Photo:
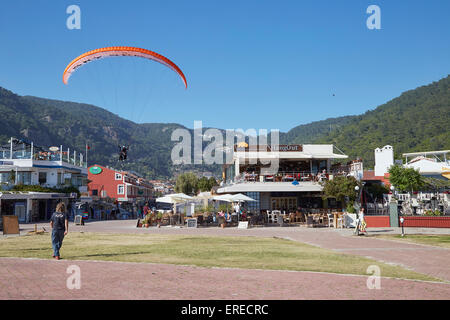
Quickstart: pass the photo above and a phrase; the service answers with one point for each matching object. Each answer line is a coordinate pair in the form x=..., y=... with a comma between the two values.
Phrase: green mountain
x=418, y=120
x=52, y=122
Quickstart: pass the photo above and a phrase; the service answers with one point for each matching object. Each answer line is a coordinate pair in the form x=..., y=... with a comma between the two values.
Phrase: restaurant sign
x=95, y=170
x=284, y=148
x=269, y=148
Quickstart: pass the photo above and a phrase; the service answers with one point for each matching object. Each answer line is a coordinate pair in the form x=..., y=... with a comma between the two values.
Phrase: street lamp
x=401, y=221
x=357, y=212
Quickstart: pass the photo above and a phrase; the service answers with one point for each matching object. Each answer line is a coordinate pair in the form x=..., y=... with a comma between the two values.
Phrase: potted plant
x=158, y=219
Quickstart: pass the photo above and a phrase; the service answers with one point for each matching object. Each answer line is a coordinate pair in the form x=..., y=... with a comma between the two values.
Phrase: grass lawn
x=432, y=240
x=204, y=251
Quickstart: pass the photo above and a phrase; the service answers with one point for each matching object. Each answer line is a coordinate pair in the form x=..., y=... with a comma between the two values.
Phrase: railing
x=284, y=176
x=4, y=155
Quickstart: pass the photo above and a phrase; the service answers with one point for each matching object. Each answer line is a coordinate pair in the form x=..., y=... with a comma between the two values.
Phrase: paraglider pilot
x=123, y=152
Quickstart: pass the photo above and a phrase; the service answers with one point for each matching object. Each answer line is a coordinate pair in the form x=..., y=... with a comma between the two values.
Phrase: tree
x=203, y=184
x=405, y=179
x=186, y=183
x=212, y=183
x=340, y=188
x=377, y=190
x=436, y=184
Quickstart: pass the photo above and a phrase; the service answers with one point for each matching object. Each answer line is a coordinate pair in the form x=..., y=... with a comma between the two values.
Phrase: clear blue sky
x=249, y=64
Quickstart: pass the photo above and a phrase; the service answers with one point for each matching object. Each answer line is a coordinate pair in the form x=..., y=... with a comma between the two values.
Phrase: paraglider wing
x=119, y=51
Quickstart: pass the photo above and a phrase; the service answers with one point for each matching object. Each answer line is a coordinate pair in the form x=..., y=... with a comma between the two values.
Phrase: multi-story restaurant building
x=123, y=186
x=295, y=184
x=23, y=163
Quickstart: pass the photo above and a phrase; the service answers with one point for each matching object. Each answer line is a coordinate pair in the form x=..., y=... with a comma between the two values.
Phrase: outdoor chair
x=340, y=221
x=269, y=217
x=259, y=218
x=208, y=219
x=310, y=221
x=330, y=220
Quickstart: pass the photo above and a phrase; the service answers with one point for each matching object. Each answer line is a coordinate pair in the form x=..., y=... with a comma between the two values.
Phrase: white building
x=22, y=163
x=430, y=163
x=384, y=159
x=296, y=183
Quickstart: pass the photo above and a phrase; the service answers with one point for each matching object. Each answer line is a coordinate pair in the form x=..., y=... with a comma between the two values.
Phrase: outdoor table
x=335, y=218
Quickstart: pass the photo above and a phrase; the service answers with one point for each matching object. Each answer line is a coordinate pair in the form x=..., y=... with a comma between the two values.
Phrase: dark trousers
x=57, y=239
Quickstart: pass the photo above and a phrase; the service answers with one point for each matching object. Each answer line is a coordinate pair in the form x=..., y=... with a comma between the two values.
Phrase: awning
x=306, y=186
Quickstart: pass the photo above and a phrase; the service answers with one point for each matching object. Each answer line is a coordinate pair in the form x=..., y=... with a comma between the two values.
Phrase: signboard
x=6, y=163
x=78, y=220
x=191, y=223
x=67, y=175
x=95, y=170
x=243, y=225
x=10, y=225
x=53, y=148
x=269, y=148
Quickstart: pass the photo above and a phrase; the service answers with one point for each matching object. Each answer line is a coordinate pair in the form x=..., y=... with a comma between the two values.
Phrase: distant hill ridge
x=417, y=120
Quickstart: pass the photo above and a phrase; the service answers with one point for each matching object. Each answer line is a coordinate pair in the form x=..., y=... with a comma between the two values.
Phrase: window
x=118, y=176
x=120, y=189
x=95, y=192
x=24, y=178
x=5, y=177
x=42, y=177
x=253, y=205
x=284, y=203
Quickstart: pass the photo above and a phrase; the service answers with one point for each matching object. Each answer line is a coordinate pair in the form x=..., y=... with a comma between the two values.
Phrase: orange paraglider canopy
x=119, y=51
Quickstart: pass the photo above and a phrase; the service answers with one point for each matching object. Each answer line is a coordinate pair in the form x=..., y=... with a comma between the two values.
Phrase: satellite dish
x=53, y=148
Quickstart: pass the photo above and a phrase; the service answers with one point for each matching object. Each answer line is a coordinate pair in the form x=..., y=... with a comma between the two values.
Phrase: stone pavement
x=46, y=279
x=425, y=259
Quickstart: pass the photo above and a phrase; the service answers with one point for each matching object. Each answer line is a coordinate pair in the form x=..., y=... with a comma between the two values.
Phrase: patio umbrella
x=180, y=196
x=205, y=196
x=175, y=198
x=241, y=198
x=224, y=197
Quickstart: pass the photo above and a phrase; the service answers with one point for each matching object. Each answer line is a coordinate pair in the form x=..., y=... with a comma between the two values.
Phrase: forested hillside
x=418, y=120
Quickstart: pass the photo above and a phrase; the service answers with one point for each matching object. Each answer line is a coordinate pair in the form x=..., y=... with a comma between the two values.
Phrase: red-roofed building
x=369, y=175
x=123, y=186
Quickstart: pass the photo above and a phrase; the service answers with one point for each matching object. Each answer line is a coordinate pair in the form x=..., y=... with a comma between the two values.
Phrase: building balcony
x=289, y=176
x=283, y=181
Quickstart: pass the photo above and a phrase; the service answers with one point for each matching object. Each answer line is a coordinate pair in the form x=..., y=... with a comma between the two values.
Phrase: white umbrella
x=175, y=198
x=166, y=199
x=224, y=197
x=204, y=196
x=180, y=196
x=241, y=198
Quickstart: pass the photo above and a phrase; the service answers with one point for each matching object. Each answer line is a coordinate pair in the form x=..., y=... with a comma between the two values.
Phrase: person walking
x=362, y=221
x=59, y=222
x=146, y=210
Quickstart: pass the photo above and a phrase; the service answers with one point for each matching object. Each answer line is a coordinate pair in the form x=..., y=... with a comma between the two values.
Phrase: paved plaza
x=46, y=279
